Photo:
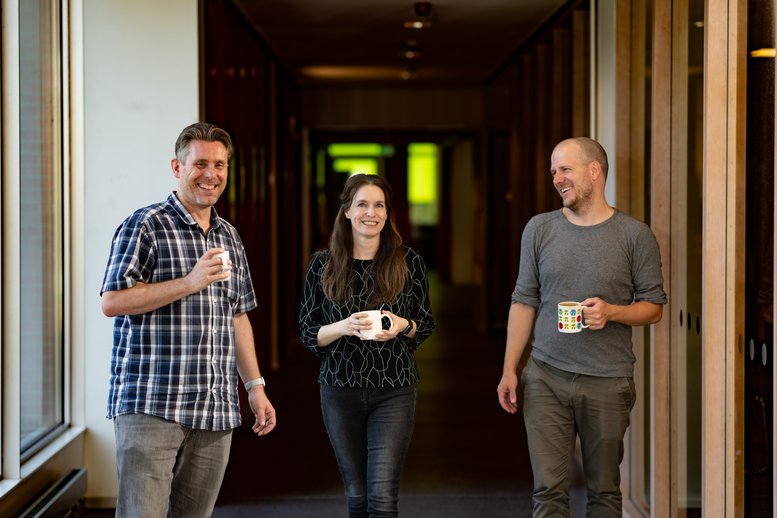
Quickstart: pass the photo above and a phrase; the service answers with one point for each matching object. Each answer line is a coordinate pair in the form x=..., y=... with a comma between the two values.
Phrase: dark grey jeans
x=557, y=407
x=370, y=431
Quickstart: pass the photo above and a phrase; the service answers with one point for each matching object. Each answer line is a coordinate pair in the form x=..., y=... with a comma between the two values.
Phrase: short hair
x=201, y=131
x=591, y=150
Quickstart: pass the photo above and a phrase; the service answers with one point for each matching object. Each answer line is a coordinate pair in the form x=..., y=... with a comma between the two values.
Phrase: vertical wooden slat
x=679, y=351
x=620, y=159
x=541, y=126
x=735, y=255
x=724, y=103
x=637, y=109
x=561, y=114
x=661, y=484
x=273, y=150
x=581, y=64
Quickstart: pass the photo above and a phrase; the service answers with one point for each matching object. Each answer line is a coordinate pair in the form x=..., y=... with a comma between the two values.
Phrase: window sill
x=43, y=458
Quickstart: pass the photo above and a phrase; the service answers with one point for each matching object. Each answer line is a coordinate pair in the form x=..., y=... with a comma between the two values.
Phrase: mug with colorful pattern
x=570, y=317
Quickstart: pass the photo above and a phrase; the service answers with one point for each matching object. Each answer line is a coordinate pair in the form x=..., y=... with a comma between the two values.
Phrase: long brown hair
x=389, y=264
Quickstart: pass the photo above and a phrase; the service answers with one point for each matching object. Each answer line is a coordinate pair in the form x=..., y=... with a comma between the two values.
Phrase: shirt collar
x=184, y=214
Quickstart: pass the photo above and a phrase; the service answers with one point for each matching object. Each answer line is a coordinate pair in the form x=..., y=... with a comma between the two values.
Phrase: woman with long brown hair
x=367, y=379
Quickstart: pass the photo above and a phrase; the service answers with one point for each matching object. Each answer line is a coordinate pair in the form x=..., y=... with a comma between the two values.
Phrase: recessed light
x=416, y=24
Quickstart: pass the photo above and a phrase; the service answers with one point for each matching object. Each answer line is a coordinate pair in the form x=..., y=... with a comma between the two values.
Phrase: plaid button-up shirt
x=178, y=361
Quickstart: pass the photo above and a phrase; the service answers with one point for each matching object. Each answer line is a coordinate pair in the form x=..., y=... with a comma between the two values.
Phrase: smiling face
x=203, y=176
x=572, y=177
x=368, y=212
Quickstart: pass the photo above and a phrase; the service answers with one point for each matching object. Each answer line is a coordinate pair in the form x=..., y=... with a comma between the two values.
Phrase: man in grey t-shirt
x=579, y=384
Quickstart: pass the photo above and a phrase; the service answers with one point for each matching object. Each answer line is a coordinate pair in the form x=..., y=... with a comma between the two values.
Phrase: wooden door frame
x=722, y=263
x=725, y=56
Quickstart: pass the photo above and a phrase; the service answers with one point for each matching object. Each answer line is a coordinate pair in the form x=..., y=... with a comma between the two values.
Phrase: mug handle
x=582, y=318
x=391, y=320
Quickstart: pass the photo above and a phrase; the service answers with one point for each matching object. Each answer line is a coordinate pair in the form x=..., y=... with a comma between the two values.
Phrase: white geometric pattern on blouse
x=351, y=361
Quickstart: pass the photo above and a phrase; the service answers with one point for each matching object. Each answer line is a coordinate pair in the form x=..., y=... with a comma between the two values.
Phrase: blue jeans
x=166, y=469
x=559, y=405
x=370, y=431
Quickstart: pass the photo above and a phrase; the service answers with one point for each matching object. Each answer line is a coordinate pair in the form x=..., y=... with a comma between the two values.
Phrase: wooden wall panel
x=241, y=94
x=663, y=490
x=542, y=145
x=581, y=74
x=561, y=105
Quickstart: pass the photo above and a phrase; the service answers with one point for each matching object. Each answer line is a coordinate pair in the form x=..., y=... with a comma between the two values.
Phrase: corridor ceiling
x=345, y=41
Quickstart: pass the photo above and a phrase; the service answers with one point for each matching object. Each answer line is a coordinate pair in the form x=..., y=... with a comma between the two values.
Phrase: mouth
x=207, y=187
x=369, y=223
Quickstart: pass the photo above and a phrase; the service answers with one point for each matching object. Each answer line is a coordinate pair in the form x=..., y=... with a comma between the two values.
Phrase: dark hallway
x=468, y=458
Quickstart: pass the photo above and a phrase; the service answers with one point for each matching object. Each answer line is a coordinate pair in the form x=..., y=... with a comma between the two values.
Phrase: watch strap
x=254, y=382
x=409, y=327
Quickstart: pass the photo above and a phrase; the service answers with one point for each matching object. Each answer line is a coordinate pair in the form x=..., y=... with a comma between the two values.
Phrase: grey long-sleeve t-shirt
x=617, y=260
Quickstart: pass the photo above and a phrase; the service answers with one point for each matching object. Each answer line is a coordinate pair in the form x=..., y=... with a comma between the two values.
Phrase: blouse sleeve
x=421, y=309
x=310, y=307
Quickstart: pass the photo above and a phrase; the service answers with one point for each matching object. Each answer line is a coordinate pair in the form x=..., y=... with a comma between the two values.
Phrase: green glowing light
x=355, y=165
x=359, y=150
x=422, y=173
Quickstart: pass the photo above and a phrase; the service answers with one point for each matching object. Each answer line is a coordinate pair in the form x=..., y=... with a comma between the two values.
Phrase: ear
x=596, y=170
x=176, y=166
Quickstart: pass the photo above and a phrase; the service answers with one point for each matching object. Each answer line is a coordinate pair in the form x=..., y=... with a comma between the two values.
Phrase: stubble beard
x=581, y=201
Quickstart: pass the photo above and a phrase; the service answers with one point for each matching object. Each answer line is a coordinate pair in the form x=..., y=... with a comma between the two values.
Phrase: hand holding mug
x=592, y=313
x=374, y=319
x=226, y=264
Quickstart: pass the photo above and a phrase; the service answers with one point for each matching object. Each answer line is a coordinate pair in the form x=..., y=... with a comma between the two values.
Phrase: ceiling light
x=411, y=54
x=416, y=24
x=350, y=73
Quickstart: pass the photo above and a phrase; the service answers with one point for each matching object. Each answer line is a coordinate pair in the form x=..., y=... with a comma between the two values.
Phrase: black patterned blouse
x=350, y=361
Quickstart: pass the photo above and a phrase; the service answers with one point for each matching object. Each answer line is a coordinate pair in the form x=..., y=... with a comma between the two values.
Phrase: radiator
x=61, y=499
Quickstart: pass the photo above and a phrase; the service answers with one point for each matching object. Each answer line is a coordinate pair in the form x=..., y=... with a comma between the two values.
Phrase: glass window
x=41, y=274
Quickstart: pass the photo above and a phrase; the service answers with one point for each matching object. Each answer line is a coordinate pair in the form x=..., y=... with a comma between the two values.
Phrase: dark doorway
x=759, y=310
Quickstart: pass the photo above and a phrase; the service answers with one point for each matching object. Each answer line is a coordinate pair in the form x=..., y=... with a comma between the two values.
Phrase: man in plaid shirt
x=181, y=338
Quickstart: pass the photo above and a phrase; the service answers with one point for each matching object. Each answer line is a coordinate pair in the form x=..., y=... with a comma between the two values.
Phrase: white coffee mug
x=376, y=318
x=570, y=317
x=224, y=258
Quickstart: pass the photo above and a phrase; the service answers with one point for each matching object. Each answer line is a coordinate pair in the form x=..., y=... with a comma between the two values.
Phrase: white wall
x=140, y=88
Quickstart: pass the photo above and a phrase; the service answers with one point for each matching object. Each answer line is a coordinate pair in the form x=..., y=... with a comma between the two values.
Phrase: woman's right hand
x=351, y=326
x=356, y=323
